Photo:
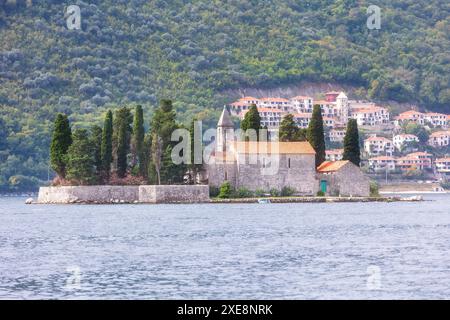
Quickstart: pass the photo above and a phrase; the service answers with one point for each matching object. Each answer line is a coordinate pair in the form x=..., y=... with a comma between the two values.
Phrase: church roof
x=225, y=119
x=270, y=147
x=331, y=166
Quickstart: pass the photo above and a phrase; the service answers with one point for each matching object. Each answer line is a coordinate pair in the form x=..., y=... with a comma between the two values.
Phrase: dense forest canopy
x=139, y=51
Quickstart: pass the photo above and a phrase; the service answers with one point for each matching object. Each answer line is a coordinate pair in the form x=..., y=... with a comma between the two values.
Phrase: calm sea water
x=240, y=251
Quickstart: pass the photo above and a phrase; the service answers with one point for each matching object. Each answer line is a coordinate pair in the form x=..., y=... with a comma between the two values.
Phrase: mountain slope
x=193, y=51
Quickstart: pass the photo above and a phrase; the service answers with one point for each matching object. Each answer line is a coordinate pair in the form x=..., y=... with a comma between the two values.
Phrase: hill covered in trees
x=138, y=51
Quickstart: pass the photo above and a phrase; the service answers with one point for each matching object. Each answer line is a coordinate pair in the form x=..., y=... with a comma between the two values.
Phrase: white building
x=337, y=135
x=439, y=139
x=302, y=104
x=400, y=139
x=436, y=119
x=371, y=116
x=382, y=163
x=375, y=146
x=336, y=108
x=443, y=167
x=334, y=154
x=270, y=118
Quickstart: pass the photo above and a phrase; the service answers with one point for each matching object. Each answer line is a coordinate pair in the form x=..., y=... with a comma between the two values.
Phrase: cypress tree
x=106, y=148
x=351, y=143
x=315, y=134
x=122, y=150
x=162, y=125
x=96, y=142
x=121, y=139
x=138, y=140
x=289, y=131
x=80, y=159
x=252, y=120
x=61, y=140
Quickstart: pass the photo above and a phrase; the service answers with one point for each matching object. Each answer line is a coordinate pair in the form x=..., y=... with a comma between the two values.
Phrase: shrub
x=374, y=189
x=287, y=191
x=243, y=193
x=225, y=190
x=321, y=194
x=274, y=192
x=213, y=191
x=260, y=193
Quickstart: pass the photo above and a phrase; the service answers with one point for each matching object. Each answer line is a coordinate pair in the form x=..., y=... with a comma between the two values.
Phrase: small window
x=289, y=162
x=226, y=175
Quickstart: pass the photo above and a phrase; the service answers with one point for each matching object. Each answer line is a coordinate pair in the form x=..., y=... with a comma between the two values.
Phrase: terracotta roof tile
x=269, y=147
x=332, y=166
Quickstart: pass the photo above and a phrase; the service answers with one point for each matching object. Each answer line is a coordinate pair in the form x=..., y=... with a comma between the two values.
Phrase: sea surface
x=226, y=251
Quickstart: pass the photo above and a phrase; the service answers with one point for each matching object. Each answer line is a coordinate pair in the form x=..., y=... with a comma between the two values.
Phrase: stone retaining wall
x=124, y=194
x=89, y=194
x=174, y=194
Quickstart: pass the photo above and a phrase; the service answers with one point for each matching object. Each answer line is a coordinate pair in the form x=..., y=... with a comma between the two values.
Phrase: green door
x=323, y=186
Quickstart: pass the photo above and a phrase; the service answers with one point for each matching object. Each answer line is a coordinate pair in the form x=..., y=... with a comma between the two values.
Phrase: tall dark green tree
x=162, y=125
x=61, y=140
x=106, y=147
x=315, y=134
x=122, y=150
x=138, y=140
x=252, y=120
x=351, y=143
x=289, y=131
x=121, y=139
x=96, y=141
x=80, y=159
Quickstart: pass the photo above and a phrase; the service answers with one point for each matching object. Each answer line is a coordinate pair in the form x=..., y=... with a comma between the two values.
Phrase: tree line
x=120, y=152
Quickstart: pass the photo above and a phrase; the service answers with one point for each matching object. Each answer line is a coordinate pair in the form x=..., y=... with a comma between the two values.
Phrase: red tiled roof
x=382, y=158
x=332, y=166
x=269, y=147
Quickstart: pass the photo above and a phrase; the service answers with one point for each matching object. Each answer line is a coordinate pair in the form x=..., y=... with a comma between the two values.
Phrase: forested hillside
x=139, y=51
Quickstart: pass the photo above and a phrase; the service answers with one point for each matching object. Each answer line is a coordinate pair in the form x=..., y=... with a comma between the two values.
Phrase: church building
x=266, y=165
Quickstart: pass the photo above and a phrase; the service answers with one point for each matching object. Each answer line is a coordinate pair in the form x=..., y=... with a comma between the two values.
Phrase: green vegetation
x=106, y=147
x=321, y=194
x=315, y=134
x=80, y=159
x=287, y=192
x=251, y=121
x=374, y=189
x=96, y=143
x=289, y=131
x=200, y=53
x=417, y=130
x=226, y=191
x=61, y=140
x=351, y=143
x=161, y=168
x=138, y=140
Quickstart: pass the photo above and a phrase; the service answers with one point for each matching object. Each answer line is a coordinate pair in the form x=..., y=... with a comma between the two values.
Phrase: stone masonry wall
x=100, y=194
x=124, y=194
x=348, y=181
x=300, y=175
x=174, y=194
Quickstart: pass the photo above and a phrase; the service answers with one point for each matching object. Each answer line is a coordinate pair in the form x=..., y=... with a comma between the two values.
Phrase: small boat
x=263, y=201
